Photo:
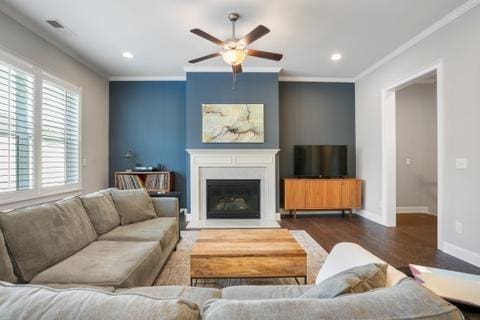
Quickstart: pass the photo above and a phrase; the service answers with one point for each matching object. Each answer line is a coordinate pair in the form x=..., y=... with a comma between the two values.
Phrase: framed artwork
x=232, y=123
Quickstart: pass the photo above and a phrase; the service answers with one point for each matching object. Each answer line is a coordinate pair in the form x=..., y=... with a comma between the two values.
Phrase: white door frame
x=389, y=145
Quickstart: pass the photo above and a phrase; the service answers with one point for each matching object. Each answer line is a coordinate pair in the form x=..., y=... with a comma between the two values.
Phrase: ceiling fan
x=234, y=50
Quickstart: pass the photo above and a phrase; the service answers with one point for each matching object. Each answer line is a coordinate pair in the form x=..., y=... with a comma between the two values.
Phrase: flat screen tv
x=320, y=161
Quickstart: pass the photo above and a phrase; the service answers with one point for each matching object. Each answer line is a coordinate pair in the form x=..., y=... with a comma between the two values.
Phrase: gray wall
x=214, y=87
x=457, y=47
x=21, y=42
x=416, y=124
x=316, y=113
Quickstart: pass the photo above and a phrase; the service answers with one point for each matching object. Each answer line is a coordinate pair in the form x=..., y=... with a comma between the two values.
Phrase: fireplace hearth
x=233, y=199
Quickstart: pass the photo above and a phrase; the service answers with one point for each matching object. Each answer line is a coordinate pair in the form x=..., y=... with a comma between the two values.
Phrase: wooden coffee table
x=247, y=253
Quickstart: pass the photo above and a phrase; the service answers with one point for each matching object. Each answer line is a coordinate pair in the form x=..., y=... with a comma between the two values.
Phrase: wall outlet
x=408, y=161
x=458, y=227
x=461, y=163
x=84, y=162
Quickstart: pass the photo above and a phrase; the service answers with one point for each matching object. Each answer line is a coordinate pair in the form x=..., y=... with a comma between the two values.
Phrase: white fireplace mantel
x=233, y=164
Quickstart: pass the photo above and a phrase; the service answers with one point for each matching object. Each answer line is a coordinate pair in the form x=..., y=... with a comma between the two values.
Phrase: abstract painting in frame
x=232, y=123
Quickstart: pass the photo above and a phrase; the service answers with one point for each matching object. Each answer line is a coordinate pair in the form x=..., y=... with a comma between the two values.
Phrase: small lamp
x=129, y=155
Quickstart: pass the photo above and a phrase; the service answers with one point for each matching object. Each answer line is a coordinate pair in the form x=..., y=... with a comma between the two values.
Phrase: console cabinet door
x=352, y=194
x=333, y=199
x=314, y=193
x=294, y=194
x=323, y=194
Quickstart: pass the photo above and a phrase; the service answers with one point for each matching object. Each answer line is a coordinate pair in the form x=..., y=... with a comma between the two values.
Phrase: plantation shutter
x=16, y=129
x=60, y=136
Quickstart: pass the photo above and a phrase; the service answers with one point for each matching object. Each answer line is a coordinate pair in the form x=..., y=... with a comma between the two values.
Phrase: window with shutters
x=16, y=129
x=60, y=139
x=39, y=133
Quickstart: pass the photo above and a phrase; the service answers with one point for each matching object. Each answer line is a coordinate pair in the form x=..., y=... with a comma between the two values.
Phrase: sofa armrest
x=166, y=207
x=346, y=255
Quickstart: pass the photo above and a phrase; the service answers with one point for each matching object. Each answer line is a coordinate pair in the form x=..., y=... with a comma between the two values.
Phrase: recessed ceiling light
x=336, y=57
x=127, y=55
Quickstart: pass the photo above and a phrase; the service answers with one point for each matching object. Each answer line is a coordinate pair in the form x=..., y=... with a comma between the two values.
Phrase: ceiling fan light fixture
x=234, y=56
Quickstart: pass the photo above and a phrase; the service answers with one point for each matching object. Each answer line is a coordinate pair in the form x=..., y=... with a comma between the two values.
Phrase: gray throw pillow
x=6, y=267
x=101, y=211
x=133, y=205
x=355, y=280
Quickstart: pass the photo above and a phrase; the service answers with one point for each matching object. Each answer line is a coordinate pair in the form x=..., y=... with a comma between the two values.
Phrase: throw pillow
x=6, y=267
x=133, y=205
x=355, y=280
x=101, y=211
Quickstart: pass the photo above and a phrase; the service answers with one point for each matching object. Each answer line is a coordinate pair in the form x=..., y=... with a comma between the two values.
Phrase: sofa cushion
x=159, y=229
x=108, y=263
x=355, y=280
x=22, y=302
x=101, y=211
x=406, y=300
x=195, y=294
x=133, y=205
x=74, y=206
x=6, y=268
x=40, y=236
x=264, y=292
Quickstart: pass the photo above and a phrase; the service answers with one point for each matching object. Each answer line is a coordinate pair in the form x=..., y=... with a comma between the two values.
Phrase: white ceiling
x=157, y=31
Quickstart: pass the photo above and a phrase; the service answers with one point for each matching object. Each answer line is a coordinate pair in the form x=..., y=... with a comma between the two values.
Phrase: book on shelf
x=129, y=181
x=151, y=181
x=156, y=182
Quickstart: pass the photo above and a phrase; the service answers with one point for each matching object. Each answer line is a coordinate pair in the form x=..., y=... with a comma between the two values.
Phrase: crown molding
x=280, y=79
x=449, y=18
x=229, y=69
x=315, y=79
x=148, y=78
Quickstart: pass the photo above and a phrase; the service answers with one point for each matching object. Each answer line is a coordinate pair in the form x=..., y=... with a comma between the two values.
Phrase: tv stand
x=342, y=194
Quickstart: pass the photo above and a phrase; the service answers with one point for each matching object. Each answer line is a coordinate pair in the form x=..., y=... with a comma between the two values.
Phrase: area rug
x=177, y=269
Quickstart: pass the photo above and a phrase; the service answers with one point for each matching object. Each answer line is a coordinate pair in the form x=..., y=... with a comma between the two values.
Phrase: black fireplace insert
x=233, y=199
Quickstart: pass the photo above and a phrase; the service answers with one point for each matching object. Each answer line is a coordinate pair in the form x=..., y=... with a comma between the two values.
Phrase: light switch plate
x=461, y=163
x=458, y=227
x=408, y=161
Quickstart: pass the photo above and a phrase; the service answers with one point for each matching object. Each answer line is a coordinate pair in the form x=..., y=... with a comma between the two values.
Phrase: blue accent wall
x=217, y=88
x=148, y=117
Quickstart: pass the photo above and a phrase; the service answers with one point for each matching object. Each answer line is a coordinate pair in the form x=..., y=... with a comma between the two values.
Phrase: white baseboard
x=371, y=216
x=188, y=216
x=461, y=253
x=415, y=209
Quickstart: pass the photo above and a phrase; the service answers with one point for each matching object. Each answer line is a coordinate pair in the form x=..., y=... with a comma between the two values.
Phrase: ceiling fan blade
x=255, y=34
x=265, y=54
x=237, y=69
x=209, y=56
x=207, y=36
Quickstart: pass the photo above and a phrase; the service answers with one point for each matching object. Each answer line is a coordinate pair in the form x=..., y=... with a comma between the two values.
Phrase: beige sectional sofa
x=111, y=238
x=83, y=266
x=403, y=298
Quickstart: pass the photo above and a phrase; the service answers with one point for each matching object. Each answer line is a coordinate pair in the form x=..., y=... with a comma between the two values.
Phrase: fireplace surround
x=233, y=164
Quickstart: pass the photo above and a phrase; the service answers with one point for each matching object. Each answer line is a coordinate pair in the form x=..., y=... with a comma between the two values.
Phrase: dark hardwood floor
x=412, y=241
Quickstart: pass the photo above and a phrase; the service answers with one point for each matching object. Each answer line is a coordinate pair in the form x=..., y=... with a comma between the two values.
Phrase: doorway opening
x=412, y=150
